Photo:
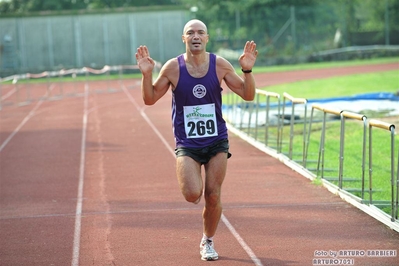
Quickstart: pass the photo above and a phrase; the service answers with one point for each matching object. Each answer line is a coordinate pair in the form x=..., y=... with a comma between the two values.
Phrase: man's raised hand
x=144, y=61
x=248, y=58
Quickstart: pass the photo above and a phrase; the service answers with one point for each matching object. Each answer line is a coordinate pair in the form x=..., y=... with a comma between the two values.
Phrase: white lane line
x=78, y=214
x=141, y=110
x=26, y=119
x=244, y=245
x=11, y=92
x=241, y=241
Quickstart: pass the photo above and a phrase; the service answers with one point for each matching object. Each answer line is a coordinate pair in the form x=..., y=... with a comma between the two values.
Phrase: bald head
x=194, y=22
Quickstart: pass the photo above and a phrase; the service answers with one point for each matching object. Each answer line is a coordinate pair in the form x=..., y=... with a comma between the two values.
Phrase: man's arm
x=245, y=86
x=151, y=93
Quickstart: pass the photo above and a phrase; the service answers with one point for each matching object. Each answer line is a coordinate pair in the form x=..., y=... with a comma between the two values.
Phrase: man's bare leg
x=215, y=172
x=188, y=173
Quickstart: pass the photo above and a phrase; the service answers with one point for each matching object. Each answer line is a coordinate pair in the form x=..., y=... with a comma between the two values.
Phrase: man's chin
x=196, y=48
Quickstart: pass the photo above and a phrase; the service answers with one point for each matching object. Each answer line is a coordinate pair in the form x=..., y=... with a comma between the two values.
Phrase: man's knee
x=212, y=199
x=192, y=196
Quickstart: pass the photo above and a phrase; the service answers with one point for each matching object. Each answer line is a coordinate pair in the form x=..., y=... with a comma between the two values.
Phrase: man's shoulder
x=172, y=62
x=221, y=60
x=170, y=70
x=223, y=64
x=171, y=65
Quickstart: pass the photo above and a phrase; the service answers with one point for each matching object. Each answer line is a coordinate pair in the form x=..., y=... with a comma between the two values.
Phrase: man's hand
x=144, y=61
x=248, y=58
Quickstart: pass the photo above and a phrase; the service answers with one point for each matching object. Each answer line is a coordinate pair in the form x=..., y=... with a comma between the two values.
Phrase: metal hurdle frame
x=294, y=101
x=269, y=94
x=235, y=101
x=344, y=115
x=320, y=159
x=391, y=128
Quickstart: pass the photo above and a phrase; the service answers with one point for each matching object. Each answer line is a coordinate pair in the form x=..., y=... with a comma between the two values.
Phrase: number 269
x=201, y=128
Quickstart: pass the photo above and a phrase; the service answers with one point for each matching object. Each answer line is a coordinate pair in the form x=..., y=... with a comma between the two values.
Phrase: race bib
x=200, y=121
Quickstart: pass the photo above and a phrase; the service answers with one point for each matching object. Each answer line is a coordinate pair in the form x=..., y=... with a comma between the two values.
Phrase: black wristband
x=246, y=71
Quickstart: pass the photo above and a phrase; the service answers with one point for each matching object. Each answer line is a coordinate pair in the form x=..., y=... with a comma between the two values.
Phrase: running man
x=200, y=131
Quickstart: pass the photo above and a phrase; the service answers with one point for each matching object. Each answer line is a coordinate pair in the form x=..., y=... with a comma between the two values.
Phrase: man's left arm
x=245, y=87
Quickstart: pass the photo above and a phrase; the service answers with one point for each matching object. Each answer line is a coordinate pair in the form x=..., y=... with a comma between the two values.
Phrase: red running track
x=90, y=180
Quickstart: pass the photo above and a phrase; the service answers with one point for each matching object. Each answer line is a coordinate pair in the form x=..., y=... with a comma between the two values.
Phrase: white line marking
x=141, y=110
x=244, y=245
x=241, y=241
x=11, y=92
x=78, y=214
x=26, y=119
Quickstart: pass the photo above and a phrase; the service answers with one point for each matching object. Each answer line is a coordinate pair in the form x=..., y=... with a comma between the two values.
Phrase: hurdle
x=294, y=101
x=320, y=159
x=373, y=123
x=268, y=124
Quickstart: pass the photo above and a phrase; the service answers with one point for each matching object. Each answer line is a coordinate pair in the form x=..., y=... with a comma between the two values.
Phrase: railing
x=246, y=118
x=239, y=112
x=391, y=128
x=295, y=101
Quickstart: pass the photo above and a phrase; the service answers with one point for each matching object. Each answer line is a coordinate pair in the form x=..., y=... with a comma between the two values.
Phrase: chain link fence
x=46, y=43
x=292, y=34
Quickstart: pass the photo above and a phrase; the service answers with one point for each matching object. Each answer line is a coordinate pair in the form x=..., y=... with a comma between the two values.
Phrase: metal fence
x=291, y=34
x=36, y=44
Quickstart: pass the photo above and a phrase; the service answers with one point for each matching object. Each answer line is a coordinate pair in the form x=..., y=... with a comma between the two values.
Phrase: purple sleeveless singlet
x=197, y=108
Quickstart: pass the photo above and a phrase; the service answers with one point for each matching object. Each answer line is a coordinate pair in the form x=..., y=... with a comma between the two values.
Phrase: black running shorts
x=203, y=155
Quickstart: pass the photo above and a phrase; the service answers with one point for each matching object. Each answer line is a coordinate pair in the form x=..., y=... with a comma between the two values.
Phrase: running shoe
x=207, y=250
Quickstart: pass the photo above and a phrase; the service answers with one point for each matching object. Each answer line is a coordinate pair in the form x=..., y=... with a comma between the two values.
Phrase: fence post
x=267, y=95
x=256, y=116
x=344, y=115
x=322, y=138
x=314, y=106
x=293, y=102
x=397, y=190
x=391, y=128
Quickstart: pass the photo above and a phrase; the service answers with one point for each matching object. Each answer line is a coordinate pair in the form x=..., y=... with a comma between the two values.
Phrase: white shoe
x=207, y=250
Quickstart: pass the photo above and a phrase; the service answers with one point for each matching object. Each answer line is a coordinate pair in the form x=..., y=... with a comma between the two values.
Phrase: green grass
x=283, y=68
x=341, y=86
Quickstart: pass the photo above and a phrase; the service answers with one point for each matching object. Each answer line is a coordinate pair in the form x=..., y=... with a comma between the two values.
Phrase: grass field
x=323, y=65
x=341, y=86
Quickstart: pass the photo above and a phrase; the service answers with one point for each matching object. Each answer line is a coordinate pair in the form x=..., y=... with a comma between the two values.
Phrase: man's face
x=195, y=36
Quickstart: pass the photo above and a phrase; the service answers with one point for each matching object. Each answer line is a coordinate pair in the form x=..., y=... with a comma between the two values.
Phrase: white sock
x=204, y=237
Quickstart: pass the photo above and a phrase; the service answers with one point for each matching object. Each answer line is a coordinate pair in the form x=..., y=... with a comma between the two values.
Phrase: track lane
x=39, y=169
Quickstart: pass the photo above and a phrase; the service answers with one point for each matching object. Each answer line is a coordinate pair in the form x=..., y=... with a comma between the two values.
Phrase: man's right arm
x=151, y=93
